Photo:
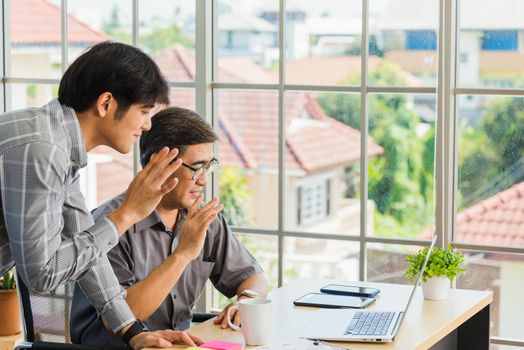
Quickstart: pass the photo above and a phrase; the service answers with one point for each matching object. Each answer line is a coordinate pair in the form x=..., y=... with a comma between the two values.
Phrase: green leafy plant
x=442, y=262
x=8, y=281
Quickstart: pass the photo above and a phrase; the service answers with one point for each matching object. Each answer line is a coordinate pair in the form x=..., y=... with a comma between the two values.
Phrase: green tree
x=114, y=28
x=234, y=195
x=374, y=49
x=491, y=156
x=400, y=180
x=165, y=37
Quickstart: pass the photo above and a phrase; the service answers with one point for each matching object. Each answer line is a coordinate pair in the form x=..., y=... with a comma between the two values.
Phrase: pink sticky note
x=221, y=345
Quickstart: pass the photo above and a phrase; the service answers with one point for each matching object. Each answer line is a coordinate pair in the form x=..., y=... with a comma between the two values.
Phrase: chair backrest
x=46, y=315
x=46, y=319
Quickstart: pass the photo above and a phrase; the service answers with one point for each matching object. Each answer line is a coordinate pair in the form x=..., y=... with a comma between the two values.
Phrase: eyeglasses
x=203, y=171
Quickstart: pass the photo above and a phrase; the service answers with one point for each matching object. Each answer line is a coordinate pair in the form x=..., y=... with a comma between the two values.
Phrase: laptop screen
x=420, y=274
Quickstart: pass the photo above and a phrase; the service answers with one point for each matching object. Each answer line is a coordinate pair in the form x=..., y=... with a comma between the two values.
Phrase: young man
x=165, y=260
x=104, y=98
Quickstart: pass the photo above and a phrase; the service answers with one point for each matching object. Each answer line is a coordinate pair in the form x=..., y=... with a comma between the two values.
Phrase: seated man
x=165, y=260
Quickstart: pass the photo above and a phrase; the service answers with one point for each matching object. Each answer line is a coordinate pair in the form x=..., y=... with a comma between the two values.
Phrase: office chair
x=46, y=319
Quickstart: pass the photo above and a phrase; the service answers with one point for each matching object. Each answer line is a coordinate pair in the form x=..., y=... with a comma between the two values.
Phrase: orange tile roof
x=497, y=220
x=248, y=120
x=38, y=22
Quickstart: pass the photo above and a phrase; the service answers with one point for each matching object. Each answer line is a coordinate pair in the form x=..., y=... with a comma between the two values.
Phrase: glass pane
x=501, y=274
x=401, y=171
x=403, y=39
x=107, y=174
x=490, y=44
x=387, y=262
x=35, y=39
x=167, y=32
x=91, y=22
x=322, y=163
x=184, y=98
x=248, y=42
x=323, y=41
x=320, y=258
x=491, y=170
x=264, y=249
x=248, y=152
x=31, y=95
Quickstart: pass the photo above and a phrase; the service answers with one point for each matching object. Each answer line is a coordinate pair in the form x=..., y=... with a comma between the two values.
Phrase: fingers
x=234, y=314
x=187, y=339
x=196, y=205
x=161, y=161
x=236, y=321
x=220, y=316
x=196, y=339
x=167, y=171
x=150, y=339
x=169, y=185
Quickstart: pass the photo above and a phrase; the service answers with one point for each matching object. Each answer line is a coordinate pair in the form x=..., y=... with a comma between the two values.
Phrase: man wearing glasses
x=165, y=260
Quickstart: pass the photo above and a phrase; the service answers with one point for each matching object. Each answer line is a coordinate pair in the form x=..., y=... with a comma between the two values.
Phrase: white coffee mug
x=255, y=318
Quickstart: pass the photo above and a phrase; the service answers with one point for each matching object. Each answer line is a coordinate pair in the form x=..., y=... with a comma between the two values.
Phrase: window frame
x=207, y=86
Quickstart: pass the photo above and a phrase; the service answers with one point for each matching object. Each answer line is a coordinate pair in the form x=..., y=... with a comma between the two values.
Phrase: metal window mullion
x=204, y=103
x=134, y=31
x=64, y=37
x=2, y=59
x=445, y=172
x=364, y=134
x=6, y=54
x=507, y=341
x=281, y=138
x=483, y=91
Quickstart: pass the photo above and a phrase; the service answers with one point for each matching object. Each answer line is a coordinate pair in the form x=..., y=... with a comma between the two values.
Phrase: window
x=500, y=40
x=322, y=147
x=421, y=40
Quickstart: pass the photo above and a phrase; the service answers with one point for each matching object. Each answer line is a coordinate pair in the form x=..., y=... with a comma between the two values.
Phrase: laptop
x=362, y=326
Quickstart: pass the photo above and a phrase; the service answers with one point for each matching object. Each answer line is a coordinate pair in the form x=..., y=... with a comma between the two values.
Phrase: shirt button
x=110, y=246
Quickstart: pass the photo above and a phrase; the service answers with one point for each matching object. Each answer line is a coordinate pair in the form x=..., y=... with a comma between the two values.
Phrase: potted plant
x=9, y=309
x=442, y=267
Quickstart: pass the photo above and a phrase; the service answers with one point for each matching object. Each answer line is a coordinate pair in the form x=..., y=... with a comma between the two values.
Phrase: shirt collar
x=155, y=219
x=75, y=138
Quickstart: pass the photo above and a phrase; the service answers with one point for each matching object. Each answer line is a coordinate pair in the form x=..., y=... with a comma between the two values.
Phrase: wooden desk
x=459, y=322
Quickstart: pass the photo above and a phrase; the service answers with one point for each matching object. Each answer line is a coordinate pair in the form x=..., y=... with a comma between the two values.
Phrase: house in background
x=317, y=151
x=35, y=38
x=318, y=148
x=491, y=43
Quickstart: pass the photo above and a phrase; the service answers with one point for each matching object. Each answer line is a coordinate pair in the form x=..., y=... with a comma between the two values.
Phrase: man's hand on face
x=163, y=339
x=147, y=189
x=195, y=227
x=221, y=319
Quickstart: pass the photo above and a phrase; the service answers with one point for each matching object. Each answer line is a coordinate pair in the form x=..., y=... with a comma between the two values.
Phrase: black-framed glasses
x=203, y=171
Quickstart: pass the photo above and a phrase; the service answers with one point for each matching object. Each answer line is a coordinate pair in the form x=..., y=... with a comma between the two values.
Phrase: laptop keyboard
x=370, y=323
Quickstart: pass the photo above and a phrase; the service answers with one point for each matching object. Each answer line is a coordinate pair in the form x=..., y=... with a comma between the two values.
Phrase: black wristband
x=136, y=328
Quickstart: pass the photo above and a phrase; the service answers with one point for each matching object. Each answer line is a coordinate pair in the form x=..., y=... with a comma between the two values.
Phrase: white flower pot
x=436, y=288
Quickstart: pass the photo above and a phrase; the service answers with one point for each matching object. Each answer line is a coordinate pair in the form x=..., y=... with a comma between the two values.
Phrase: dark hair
x=174, y=127
x=123, y=70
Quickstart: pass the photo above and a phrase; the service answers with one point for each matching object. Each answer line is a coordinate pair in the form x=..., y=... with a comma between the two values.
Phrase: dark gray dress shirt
x=223, y=260
x=45, y=227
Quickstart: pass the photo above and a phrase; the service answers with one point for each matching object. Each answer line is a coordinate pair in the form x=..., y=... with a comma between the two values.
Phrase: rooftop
x=38, y=22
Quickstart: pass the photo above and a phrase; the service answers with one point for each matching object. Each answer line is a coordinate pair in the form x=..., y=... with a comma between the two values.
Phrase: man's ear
x=105, y=104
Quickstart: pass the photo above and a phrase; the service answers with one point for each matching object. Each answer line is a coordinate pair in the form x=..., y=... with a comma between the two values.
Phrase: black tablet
x=332, y=301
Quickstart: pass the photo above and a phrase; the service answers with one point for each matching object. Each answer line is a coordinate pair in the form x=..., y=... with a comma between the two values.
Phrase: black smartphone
x=341, y=289
x=332, y=301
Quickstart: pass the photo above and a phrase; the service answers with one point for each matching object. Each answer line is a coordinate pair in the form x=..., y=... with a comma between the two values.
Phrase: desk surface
x=426, y=322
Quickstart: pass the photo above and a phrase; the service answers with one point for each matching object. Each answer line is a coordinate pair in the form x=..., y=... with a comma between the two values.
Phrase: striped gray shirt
x=46, y=229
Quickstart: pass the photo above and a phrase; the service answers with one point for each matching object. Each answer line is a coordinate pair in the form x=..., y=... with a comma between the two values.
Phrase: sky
x=97, y=11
